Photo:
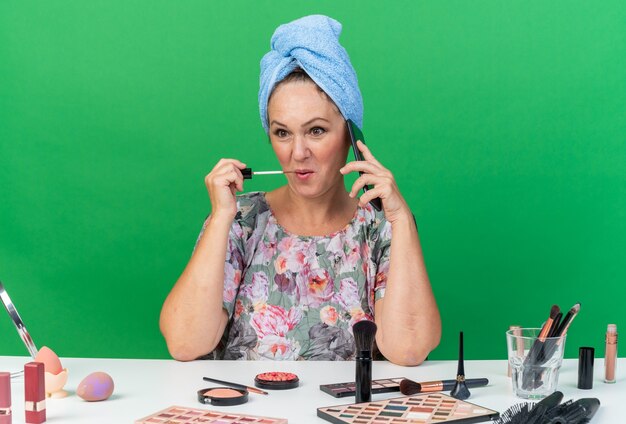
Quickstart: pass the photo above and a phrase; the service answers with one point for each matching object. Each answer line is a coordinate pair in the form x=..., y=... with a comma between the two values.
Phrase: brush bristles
x=364, y=335
x=548, y=411
x=554, y=311
x=516, y=414
x=409, y=387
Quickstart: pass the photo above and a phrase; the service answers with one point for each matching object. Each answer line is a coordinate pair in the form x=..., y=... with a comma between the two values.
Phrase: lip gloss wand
x=248, y=173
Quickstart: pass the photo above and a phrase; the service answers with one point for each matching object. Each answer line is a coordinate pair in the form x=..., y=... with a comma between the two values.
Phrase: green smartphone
x=356, y=134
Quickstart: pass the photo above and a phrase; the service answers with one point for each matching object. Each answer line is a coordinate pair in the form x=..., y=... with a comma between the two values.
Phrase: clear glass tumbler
x=535, y=363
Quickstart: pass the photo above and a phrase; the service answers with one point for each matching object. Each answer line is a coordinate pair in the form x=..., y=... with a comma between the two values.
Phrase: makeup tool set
x=422, y=403
x=542, y=350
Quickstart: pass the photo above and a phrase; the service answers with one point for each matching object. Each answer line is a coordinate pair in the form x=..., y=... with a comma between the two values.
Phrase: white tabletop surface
x=143, y=387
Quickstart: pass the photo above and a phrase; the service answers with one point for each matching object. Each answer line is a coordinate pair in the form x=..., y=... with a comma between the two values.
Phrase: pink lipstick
x=34, y=393
x=5, y=398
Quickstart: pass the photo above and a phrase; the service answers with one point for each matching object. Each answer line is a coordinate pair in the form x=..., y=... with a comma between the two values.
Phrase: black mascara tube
x=363, y=376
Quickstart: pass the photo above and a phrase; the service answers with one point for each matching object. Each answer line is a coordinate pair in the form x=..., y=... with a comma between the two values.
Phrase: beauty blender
x=54, y=373
x=95, y=387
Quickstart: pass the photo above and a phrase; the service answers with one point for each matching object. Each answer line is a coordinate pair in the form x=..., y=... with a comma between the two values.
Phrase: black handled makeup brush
x=460, y=390
x=531, y=379
x=364, y=335
x=410, y=387
x=579, y=412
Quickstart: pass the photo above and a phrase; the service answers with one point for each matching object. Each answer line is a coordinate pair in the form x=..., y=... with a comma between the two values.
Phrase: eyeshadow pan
x=390, y=414
x=396, y=407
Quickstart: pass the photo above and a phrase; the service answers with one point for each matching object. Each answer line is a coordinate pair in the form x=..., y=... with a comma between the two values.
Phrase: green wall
x=504, y=123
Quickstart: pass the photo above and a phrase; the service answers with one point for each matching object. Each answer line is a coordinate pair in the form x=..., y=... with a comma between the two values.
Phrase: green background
x=503, y=122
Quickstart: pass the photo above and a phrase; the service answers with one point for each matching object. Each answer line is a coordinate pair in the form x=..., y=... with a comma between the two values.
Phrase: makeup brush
x=410, y=387
x=235, y=385
x=248, y=173
x=547, y=348
x=529, y=413
x=460, y=390
x=364, y=335
x=567, y=321
x=537, y=354
x=548, y=328
x=558, y=410
x=555, y=325
x=579, y=412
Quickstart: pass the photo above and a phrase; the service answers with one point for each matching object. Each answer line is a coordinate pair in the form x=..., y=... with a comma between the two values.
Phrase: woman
x=285, y=274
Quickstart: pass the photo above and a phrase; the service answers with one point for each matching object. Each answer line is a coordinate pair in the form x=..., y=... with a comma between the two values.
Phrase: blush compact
x=222, y=396
x=277, y=380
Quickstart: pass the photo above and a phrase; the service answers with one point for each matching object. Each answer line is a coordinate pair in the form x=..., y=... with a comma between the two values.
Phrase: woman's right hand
x=222, y=183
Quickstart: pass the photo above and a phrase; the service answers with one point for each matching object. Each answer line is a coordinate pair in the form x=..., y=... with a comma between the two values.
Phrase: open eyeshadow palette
x=385, y=385
x=425, y=408
x=183, y=415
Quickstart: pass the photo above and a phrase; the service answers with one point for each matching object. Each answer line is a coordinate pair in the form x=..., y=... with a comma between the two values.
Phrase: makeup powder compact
x=222, y=396
x=277, y=380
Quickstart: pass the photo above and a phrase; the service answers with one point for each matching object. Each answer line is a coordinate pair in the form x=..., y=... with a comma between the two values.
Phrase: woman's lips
x=304, y=174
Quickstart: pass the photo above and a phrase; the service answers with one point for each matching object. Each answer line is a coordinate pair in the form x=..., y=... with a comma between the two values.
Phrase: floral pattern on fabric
x=291, y=297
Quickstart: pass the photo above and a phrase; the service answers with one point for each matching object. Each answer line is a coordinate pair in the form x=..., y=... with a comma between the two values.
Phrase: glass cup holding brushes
x=536, y=354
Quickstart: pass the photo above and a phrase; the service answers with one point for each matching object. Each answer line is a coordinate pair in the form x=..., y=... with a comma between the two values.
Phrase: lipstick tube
x=610, y=354
x=5, y=398
x=34, y=393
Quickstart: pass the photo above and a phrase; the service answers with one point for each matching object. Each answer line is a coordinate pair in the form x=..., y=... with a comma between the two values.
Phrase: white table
x=146, y=386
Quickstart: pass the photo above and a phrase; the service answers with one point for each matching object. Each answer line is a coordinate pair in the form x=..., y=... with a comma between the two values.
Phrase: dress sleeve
x=233, y=266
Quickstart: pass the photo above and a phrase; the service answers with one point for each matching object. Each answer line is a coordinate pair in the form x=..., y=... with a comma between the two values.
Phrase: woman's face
x=309, y=136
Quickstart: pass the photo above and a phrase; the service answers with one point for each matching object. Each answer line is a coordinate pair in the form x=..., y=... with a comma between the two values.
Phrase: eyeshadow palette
x=183, y=415
x=385, y=385
x=418, y=409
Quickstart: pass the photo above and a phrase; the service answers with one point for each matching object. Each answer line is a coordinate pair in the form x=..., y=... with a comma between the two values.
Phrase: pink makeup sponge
x=95, y=387
x=51, y=361
x=55, y=375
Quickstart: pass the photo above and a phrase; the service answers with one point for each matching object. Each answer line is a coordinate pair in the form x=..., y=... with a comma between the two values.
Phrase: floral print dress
x=294, y=297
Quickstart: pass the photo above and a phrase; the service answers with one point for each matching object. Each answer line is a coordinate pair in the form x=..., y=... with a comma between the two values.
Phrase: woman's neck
x=322, y=215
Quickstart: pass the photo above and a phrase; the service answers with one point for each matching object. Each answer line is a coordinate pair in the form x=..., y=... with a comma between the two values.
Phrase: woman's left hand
x=383, y=182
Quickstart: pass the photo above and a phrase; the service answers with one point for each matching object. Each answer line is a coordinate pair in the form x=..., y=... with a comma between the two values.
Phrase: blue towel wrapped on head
x=312, y=44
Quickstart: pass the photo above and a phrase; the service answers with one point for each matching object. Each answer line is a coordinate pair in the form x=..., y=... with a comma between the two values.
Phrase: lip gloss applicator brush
x=248, y=173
